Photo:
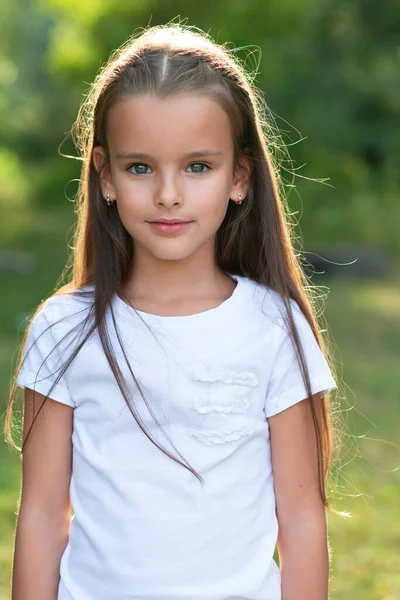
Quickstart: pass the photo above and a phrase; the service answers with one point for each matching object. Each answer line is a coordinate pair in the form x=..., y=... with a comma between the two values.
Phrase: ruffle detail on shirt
x=226, y=405
x=221, y=436
x=227, y=377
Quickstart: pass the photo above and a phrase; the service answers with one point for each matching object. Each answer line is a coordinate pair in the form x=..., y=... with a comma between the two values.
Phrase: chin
x=172, y=255
x=169, y=251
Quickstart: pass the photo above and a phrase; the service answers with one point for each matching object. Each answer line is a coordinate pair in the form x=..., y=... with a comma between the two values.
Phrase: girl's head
x=167, y=94
x=170, y=157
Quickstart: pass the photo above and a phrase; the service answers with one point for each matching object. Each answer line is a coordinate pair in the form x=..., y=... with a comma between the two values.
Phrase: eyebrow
x=195, y=154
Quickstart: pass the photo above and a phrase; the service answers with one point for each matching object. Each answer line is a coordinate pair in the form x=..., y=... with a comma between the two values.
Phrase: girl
x=176, y=390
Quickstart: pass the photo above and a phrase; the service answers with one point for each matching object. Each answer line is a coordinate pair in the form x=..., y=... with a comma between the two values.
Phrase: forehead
x=169, y=126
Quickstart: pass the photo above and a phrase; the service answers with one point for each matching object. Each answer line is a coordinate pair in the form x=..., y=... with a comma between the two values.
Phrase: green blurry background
x=330, y=74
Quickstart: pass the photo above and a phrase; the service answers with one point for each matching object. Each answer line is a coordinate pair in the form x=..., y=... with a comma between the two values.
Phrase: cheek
x=125, y=186
x=209, y=219
x=213, y=197
x=131, y=211
x=132, y=206
x=132, y=198
x=213, y=209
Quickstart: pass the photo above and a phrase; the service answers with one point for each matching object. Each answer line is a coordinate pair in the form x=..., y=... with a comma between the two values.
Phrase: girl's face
x=171, y=159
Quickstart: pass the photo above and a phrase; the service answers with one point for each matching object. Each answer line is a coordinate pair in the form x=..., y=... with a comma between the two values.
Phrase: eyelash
x=144, y=164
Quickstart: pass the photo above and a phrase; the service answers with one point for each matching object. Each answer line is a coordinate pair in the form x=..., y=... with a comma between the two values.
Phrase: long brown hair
x=254, y=240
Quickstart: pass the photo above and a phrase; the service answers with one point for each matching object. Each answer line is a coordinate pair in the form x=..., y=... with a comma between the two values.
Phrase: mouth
x=172, y=226
x=170, y=221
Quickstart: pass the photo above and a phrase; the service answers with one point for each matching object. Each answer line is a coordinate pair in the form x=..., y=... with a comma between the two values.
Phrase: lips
x=173, y=226
x=169, y=222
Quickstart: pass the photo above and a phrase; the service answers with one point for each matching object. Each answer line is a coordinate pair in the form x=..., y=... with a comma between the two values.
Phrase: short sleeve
x=43, y=361
x=285, y=386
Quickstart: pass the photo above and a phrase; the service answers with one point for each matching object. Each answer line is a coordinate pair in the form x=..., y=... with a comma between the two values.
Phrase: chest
x=189, y=377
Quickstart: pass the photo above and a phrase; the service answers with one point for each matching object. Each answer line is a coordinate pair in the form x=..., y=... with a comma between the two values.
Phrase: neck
x=167, y=280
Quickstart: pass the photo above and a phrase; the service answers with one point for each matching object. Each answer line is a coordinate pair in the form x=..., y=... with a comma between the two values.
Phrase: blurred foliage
x=329, y=70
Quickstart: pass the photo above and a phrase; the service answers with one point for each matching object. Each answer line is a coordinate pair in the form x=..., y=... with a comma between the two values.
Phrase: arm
x=302, y=540
x=44, y=514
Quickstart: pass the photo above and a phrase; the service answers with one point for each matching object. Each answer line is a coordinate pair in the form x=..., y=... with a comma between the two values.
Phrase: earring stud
x=109, y=202
x=240, y=198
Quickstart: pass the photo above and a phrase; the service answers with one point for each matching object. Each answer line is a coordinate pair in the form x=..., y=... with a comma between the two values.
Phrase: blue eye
x=201, y=164
x=134, y=165
x=137, y=165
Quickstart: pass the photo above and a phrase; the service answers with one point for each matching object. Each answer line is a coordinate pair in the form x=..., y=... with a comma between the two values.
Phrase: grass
x=364, y=321
x=363, y=318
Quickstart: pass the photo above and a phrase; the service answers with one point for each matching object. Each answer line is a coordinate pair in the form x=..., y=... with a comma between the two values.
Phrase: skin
x=172, y=272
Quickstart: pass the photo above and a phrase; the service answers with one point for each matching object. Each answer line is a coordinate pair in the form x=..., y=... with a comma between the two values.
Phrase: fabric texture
x=144, y=527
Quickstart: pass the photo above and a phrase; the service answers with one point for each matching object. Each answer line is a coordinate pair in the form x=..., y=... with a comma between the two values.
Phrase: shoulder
x=63, y=310
x=67, y=303
x=269, y=303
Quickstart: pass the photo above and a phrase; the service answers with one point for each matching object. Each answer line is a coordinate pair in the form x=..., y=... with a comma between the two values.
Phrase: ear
x=242, y=178
x=100, y=159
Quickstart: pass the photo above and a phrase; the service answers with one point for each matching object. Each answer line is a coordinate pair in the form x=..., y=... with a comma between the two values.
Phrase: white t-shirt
x=143, y=527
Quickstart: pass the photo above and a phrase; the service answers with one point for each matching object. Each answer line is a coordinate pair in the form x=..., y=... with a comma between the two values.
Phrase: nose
x=169, y=193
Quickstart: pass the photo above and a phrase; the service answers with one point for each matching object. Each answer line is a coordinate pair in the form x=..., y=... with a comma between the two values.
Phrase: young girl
x=176, y=390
